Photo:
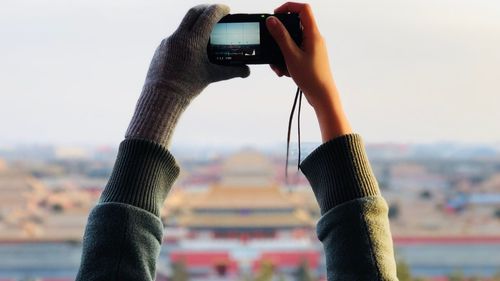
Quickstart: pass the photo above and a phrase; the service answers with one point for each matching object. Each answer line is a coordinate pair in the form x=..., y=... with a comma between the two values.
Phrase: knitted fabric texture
x=143, y=174
x=345, y=172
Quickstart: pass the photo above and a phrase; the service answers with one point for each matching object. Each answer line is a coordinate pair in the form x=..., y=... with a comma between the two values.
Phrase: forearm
x=121, y=243
x=124, y=232
x=354, y=227
x=357, y=241
x=143, y=174
x=339, y=171
x=332, y=120
x=156, y=114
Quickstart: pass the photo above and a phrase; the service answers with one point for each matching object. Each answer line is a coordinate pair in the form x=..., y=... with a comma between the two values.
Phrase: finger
x=225, y=72
x=278, y=70
x=305, y=13
x=282, y=70
x=282, y=37
x=191, y=16
x=207, y=20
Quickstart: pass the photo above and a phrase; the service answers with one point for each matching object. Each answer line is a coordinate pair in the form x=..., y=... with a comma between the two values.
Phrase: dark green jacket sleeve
x=123, y=236
x=124, y=232
x=354, y=226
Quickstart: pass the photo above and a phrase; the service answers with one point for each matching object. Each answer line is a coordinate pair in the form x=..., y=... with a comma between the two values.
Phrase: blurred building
x=19, y=195
x=31, y=212
x=244, y=221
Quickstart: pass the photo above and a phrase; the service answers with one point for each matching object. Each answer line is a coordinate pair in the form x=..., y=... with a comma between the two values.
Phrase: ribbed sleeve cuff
x=156, y=114
x=339, y=171
x=143, y=174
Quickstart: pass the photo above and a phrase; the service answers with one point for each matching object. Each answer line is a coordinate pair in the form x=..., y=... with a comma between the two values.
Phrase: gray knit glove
x=179, y=71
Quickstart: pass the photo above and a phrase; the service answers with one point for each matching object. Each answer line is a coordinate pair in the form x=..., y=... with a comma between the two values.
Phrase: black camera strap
x=298, y=96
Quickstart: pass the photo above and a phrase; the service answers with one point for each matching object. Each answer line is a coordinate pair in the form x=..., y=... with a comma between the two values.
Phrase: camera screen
x=236, y=40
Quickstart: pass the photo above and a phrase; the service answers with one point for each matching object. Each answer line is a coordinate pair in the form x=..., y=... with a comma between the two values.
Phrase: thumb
x=282, y=37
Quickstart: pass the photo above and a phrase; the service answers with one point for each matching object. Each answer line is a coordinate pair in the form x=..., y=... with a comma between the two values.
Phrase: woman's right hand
x=309, y=67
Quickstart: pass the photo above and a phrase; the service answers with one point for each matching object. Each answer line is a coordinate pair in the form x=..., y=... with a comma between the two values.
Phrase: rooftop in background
x=210, y=152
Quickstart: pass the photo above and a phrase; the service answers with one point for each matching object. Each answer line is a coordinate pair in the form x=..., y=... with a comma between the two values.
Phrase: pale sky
x=408, y=71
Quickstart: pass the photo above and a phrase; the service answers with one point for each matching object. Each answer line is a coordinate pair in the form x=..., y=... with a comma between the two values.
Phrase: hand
x=309, y=67
x=179, y=71
x=181, y=60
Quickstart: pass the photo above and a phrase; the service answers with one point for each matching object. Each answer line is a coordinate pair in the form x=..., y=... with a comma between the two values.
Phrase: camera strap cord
x=298, y=96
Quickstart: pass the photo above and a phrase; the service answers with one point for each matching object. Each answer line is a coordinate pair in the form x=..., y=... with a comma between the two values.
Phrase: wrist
x=156, y=115
x=323, y=96
x=332, y=119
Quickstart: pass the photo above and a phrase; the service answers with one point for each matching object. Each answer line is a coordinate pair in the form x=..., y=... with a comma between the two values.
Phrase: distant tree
x=426, y=195
x=303, y=272
x=179, y=271
x=384, y=178
x=73, y=241
x=393, y=211
x=382, y=185
x=266, y=272
x=403, y=271
x=221, y=269
x=57, y=208
x=456, y=276
x=497, y=213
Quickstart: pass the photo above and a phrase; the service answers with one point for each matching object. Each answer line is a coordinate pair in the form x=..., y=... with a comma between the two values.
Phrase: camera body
x=244, y=39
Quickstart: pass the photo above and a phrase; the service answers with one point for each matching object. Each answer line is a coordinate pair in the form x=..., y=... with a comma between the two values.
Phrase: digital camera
x=244, y=39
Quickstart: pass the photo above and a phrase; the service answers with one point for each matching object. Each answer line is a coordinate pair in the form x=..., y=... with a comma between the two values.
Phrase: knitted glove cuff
x=156, y=114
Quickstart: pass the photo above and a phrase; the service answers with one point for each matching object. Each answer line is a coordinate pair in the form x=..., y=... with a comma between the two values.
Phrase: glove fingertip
x=245, y=71
x=242, y=71
x=210, y=17
x=220, y=8
x=224, y=8
x=191, y=16
x=224, y=72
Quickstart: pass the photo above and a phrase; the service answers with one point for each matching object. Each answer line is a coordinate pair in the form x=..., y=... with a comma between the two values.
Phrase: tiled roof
x=243, y=197
x=246, y=221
